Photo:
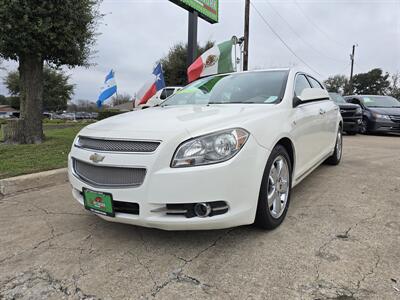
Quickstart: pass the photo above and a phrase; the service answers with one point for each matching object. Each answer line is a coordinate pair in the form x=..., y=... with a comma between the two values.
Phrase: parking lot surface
x=340, y=240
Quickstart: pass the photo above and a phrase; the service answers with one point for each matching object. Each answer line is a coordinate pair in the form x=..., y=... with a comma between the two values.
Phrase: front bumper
x=351, y=124
x=384, y=126
x=236, y=181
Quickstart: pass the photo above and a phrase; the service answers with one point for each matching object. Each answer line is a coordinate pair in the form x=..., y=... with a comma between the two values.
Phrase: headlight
x=379, y=116
x=358, y=111
x=210, y=149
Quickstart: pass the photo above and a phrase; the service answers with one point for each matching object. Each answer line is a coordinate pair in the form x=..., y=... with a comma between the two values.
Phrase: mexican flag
x=215, y=60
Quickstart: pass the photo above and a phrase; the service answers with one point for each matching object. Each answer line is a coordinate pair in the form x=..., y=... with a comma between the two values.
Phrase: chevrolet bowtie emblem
x=96, y=158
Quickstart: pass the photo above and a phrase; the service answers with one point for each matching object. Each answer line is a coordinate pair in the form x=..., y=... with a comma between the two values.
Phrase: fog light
x=202, y=210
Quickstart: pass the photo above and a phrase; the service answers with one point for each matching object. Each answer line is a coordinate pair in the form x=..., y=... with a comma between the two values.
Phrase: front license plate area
x=98, y=202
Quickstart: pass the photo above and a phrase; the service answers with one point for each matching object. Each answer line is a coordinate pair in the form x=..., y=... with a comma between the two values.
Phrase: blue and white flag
x=109, y=88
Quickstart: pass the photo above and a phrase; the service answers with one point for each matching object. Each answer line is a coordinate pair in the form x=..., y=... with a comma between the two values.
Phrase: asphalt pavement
x=340, y=240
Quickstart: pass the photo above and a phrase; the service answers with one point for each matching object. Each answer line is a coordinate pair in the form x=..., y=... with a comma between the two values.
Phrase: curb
x=17, y=184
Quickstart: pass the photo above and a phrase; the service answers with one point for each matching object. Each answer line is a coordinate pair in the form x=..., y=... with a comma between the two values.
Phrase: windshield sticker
x=366, y=99
x=188, y=91
x=271, y=99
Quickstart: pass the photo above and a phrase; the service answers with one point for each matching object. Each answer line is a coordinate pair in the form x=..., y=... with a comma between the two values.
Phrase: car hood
x=393, y=111
x=164, y=122
x=347, y=105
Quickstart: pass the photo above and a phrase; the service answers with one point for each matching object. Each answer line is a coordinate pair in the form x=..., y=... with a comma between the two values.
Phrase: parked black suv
x=381, y=114
x=351, y=114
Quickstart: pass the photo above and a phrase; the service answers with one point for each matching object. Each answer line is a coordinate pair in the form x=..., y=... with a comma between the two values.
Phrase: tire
x=336, y=157
x=363, y=127
x=275, y=189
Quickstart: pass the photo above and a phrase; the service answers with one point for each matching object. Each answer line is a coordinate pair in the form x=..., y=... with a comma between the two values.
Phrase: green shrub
x=48, y=121
x=108, y=113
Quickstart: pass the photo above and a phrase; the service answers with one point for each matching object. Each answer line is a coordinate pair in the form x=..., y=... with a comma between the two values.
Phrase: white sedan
x=224, y=151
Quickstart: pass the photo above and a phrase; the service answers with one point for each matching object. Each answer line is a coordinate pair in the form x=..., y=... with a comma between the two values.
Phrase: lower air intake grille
x=395, y=118
x=109, y=176
x=117, y=145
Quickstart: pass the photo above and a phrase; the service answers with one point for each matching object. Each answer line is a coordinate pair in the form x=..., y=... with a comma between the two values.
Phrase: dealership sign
x=207, y=9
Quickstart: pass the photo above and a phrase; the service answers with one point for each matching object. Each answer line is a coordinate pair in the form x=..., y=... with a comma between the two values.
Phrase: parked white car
x=225, y=151
x=160, y=96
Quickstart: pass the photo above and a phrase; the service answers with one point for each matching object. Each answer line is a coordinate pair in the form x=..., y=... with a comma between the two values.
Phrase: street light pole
x=246, y=35
x=352, y=68
x=192, y=37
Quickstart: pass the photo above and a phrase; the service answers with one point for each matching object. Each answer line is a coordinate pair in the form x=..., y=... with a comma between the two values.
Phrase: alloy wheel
x=278, y=186
x=339, y=144
x=363, y=127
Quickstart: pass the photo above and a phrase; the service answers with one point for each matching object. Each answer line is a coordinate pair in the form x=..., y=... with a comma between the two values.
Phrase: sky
x=317, y=35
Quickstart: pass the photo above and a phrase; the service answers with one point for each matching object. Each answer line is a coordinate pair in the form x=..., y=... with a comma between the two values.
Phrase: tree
x=56, y=89
x=394, y=89
x=3, y=100
x=337, y=84
x=174, y=64
x=121, y=99
x=373, y=82
x=33, y=32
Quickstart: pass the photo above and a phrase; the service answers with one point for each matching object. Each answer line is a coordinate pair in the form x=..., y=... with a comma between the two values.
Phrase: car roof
x=357, y=96
x=288, y=69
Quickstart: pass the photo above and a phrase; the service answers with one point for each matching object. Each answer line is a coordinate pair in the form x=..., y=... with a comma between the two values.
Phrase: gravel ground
x=340, y=240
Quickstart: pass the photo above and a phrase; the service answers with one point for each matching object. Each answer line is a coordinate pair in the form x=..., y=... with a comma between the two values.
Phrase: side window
x=169, y=92
x=355, y=101
x=301, y=84
x=163, y=94
x=314, y=83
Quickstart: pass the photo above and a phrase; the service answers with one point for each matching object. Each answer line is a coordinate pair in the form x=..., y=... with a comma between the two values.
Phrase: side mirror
x=313, y=94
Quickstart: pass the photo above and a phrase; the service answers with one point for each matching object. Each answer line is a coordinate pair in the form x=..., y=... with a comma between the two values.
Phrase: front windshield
x=337, y=98
x=380, y=101
x=253, y=87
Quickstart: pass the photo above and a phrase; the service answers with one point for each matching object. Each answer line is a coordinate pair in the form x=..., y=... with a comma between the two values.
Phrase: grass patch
x=52, y=154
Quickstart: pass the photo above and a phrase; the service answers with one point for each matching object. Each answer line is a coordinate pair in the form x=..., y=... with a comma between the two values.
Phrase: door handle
x=321, y=111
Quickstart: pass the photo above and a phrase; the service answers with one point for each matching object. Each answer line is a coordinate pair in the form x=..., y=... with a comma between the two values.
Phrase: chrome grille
x=108, y=176
x=395, y=118
x=347, y=112
x=117, y=145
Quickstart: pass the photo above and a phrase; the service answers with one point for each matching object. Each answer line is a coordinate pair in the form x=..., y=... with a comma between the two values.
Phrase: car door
x=328, y=114
x=306, y=130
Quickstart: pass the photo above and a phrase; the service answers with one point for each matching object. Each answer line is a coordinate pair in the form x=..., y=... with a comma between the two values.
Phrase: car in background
x=351, y=114
x=160, y=96
x=225, y=151
x=381, y=114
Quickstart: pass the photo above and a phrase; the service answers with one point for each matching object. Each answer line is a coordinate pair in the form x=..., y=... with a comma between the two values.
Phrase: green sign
x=207, y=9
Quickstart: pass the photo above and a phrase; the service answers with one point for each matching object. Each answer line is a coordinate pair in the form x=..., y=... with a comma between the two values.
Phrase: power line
x=299, y=36
x=283, y=42
x=316, y=26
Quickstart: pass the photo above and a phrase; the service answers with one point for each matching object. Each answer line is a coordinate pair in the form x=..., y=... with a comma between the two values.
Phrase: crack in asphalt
x=371, y=272
x=178, y=275
x=342, y=291
x=16, y=286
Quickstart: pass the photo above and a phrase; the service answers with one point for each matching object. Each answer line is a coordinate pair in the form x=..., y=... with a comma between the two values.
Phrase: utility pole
x=352, y=67
x=246, y=36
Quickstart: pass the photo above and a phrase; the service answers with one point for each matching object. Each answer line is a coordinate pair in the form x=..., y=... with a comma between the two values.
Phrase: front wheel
x=274, y=197
x=364, y=126
x=335, y=158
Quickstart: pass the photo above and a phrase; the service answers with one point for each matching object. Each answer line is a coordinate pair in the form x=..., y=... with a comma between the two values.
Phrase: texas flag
x=153, y=86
